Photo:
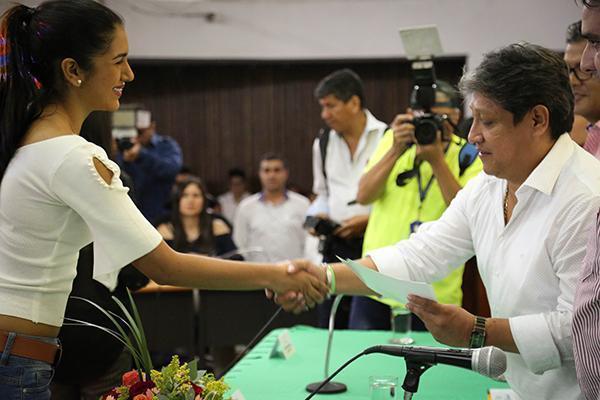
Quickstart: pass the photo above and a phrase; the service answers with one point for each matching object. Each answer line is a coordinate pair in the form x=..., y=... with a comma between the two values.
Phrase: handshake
x=300, y=285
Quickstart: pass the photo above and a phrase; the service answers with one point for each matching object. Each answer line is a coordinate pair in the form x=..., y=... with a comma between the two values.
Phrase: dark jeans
x=368, y=314
x=352, y=249
x=23, y=378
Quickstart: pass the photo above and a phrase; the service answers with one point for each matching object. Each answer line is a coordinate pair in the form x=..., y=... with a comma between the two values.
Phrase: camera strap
x=323, y=142
x=423, y=191
x=323, y=138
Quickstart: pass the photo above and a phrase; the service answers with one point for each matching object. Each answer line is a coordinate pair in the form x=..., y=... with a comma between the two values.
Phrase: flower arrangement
x=173, y=382
x=176, y=381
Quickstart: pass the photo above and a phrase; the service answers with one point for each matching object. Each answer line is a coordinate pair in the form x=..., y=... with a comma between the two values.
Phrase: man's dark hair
x=233, y=172
x=343, y=84
x=270, y=156
x=574, y=33
x=521, y=76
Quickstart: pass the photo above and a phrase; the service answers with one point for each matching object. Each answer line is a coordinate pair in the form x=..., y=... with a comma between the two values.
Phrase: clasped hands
x=301, y=286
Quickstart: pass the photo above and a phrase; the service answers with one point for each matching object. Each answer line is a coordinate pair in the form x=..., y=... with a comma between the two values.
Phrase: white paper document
x=388, y=286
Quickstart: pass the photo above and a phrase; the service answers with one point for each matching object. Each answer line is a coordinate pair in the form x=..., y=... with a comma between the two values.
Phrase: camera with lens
x=124, y=143
x=126, y=122
x=427, y=127
x=427, y=124
x=323, y=226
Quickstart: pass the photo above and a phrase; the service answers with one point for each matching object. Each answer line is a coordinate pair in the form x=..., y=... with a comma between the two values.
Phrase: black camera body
x=427, y=126
x=124, y=143
x=426, y=123
x=323, y=226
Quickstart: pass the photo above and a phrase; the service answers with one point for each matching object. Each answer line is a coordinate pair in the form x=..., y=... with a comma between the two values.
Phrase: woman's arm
x=168, y=267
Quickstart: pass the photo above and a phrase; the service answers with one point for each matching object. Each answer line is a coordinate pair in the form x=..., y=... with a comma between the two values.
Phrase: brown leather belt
x=31, y=348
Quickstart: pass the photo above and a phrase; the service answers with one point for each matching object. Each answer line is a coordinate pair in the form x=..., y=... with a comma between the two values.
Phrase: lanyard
x=423, y=191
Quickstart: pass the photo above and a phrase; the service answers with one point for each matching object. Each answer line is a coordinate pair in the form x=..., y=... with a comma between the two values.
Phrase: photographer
x=340, y=154
x=152, y=161
x=408, y=182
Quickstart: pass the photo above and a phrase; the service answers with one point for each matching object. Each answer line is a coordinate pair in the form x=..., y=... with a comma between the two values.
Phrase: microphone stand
x=330, y=387
x=414, y=370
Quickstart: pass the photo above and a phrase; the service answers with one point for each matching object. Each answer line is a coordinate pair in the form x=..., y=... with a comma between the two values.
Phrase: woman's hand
x=303, y=288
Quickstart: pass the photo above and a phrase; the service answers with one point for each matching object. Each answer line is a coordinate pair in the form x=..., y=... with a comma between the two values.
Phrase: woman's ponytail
x=18, y=87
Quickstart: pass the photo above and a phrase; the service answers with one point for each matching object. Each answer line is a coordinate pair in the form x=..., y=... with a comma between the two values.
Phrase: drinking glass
x=401, y=325
x=383, y=387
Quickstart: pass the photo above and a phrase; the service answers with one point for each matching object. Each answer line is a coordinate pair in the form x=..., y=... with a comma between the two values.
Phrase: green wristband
x=331, y=275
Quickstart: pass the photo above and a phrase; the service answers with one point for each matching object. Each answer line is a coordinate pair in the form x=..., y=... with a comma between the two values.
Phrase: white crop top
x=52, y=203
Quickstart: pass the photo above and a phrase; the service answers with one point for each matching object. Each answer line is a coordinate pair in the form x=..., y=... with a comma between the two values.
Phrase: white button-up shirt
x=271, y=232
x=343, y=171
x=229, y=205
x=529, y=267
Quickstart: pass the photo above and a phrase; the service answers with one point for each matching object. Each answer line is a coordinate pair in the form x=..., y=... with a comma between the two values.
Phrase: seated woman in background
x=192, y=228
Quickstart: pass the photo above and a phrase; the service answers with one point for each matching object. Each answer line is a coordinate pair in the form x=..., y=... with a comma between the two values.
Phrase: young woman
x=58, y=62
x=192, y=229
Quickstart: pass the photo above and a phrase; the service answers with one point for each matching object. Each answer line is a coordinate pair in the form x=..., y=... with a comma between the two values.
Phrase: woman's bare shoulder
x=220, y=227
x=166, y=230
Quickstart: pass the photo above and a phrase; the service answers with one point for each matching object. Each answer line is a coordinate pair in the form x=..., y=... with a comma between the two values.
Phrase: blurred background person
x=153, y=161
x=586, y=89
x=230, y=200
x=270, y=222
x=339, y=155
x=192, y=228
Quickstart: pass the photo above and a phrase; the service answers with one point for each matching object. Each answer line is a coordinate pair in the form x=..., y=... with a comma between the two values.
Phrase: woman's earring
x=78, y=82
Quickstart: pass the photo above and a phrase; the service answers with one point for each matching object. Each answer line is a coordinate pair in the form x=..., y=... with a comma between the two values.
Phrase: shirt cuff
x=389, y=262
x=535, y=343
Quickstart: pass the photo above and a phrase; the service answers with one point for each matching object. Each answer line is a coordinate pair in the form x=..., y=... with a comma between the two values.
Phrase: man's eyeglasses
x=579, y=74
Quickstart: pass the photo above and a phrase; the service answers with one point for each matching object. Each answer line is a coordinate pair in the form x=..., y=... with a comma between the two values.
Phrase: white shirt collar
x=543, y=178
x=372, y=125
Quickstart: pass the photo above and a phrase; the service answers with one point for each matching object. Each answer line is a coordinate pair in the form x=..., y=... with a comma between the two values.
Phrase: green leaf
x=193, y=366
x=137, y=331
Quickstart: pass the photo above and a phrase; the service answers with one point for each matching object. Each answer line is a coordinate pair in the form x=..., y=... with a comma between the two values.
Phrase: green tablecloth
x=259, y=377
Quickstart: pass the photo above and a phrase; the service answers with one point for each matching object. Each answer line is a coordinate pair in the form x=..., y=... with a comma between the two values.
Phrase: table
x=259, y=377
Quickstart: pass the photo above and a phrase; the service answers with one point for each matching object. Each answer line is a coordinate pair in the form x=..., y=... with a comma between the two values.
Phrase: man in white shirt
x=230, y=200
x=268, y=225
x=340, y=155
x=526, y=218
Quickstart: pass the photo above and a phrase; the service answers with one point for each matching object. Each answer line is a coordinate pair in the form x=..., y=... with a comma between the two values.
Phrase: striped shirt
x=586, y=319
x=592, y=142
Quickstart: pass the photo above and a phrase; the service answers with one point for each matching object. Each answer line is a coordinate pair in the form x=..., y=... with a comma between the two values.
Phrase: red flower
x=140, y=388
x=131, y=377
x=197, y=389
x=140, y=397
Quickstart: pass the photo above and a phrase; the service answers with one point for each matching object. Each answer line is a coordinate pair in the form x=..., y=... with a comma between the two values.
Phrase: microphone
x=488, y=361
